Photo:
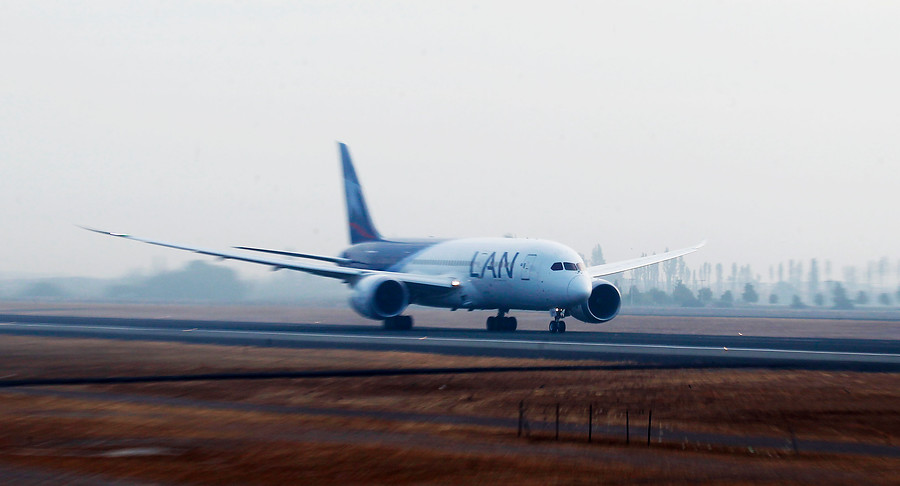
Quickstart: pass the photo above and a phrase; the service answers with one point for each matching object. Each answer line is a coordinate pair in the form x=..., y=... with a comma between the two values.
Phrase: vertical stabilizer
x=360, y=223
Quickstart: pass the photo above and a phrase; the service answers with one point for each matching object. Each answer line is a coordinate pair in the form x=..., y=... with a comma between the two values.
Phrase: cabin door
x=526, y=266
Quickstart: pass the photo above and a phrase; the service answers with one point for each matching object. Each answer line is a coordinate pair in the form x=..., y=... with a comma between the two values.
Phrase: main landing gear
x=398, y=323
x=556, y=325
x=501, y=322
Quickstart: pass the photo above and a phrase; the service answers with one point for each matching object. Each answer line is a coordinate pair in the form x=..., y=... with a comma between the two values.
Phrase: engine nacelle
x=379, y=297
x=601, y=306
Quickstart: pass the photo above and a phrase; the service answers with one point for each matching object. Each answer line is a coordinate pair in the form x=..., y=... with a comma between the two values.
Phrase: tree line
x=794, y=283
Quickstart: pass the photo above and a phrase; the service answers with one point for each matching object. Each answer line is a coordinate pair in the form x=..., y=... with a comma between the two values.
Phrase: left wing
x=296, y=255
x=346, y=274
x=617, y=267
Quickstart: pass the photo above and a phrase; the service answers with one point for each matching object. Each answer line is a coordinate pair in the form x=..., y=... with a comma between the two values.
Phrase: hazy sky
x=768, y=128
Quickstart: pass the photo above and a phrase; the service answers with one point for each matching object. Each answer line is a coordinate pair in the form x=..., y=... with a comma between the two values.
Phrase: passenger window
x=569, y=266
x=556, y=266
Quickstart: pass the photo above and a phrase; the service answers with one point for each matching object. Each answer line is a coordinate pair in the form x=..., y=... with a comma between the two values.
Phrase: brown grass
x=193, y=442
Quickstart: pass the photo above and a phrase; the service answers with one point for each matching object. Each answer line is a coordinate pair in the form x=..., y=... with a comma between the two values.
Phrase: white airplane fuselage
x=493, y=273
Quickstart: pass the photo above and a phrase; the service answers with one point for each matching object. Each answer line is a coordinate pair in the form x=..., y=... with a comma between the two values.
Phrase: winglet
x=120, y=235
x=360, y=223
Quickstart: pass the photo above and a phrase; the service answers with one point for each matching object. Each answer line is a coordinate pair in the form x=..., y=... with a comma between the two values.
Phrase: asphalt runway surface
x=644, y=349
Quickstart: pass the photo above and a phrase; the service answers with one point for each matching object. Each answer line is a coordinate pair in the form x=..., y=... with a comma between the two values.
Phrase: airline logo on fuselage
x=487, y=264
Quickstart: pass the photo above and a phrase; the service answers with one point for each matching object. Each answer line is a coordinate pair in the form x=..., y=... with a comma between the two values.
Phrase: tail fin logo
x=360, y=223
x=357, y=214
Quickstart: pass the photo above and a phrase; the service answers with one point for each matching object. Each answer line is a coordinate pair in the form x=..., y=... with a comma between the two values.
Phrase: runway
x=664, y=350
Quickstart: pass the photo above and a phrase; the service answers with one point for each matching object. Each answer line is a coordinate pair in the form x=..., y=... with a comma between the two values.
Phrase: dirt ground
x=438, y=429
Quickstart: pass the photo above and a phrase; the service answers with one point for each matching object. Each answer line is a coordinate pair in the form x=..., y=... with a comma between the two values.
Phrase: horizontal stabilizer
x=338, y=260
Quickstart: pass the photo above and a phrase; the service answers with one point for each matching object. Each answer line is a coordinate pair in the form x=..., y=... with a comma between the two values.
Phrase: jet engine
x=379, y=297
x=602, y=305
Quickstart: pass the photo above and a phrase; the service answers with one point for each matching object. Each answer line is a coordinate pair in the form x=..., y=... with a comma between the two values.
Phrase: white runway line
x=478, y=341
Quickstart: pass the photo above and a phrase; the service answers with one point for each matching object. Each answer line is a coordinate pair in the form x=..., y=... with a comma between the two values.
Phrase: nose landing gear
x=557, y=325
x=501, y=323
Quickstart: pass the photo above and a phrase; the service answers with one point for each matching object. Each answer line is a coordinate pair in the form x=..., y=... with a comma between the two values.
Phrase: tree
x=839, y=297
x=862, y=298
x=813, y=277
x=597, y=256
x=819, y=299
x=705, y=295
x=671, y=269
x=727, y=299
x=884, y=299
x=43, y=290
x=197, y=281
x=749, y=296
x=720, y=276
x=773, y=298
x=796, y=303
x=657, y=297
x=634, y=296
x=883, y=270
x=683, y=296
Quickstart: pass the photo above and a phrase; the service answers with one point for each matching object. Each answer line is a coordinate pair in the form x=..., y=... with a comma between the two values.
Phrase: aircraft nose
x=579, y=288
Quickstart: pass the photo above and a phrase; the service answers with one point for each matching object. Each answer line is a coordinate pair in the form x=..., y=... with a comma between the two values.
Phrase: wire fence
x=639, y=425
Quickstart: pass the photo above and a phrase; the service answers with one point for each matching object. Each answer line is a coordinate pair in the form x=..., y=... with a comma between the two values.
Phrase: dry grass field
x=438, y=429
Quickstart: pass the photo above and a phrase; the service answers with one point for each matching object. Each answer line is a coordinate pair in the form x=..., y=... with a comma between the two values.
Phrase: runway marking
x=567, y=343
x=570, y=344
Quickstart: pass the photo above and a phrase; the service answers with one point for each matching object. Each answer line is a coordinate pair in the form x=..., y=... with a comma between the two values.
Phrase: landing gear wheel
x=502, y=324
x=556, y=325
x=398, y=323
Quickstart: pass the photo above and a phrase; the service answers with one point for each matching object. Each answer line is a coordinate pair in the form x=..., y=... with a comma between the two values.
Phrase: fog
x=768, y=128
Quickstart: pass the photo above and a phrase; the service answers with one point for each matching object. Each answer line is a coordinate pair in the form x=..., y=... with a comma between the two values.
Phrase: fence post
x=649, y=420
x=521, y=415
x=790, y=431
x=627, y=429
x=557, y=420
x=793, y=439
x=590, y=421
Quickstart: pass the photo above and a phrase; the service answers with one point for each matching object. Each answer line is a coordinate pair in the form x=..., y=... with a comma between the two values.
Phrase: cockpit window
x=567, y=266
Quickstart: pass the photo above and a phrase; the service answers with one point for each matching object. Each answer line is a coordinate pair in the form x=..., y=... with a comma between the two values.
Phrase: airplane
x=386, y=275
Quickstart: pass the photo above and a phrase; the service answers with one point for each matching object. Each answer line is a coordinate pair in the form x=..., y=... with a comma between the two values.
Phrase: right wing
x=617, y=267
x=346, y=274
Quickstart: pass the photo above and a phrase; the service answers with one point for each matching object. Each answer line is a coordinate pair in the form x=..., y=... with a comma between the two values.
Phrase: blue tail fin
x=361, y=227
